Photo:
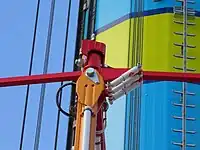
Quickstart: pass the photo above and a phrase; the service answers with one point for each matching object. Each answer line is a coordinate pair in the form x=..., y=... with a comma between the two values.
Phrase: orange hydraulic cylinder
x=88, y=94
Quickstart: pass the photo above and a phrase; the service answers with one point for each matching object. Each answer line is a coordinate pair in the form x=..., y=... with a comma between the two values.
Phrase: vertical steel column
x=184, y=70
x=79, y=37
x=91, y=19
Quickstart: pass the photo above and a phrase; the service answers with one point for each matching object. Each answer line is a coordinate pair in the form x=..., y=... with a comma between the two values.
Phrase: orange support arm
x=88, y=95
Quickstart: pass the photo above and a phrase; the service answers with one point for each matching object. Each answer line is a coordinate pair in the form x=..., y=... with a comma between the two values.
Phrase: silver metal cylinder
x=126, y=83
x=86, y=126
x=121, y=92
x=98, y=140
x=124, y=76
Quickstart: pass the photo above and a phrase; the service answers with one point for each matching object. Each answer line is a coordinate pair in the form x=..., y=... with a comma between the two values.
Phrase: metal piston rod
x=86, y=127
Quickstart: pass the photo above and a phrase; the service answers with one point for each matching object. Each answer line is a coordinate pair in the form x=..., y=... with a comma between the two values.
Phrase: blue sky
x=16, y=32
x=16, y=28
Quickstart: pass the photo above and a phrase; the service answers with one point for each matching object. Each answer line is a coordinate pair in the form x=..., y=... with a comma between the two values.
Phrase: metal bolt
x=79, y=62
x=90, y=72
x=93, y=36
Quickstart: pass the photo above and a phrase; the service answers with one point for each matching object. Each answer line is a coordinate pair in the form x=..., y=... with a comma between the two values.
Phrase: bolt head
x=90, y=72
x=79, y=62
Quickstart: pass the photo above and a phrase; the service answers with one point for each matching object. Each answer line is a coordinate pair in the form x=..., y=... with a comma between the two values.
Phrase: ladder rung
x=176, y=143
x=188, y=69
x=188, y=34
x=179, y=10
x=181, y=92
x=191, y=106
x=181, y=56
x=190, y=119
x=189, y=132
x=181, y=144
x=191, y=2
x=189, y=46
x=191, y=145
x=188, y=23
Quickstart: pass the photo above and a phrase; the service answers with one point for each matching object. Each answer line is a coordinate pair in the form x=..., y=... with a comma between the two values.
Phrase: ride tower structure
x=114, y=56
x=94, y=83
x=163, y=36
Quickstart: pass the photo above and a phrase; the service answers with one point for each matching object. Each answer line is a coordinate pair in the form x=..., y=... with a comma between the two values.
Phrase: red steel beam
x=172, y=76
x=112, y=73
x=36, y=79
x=109, y=74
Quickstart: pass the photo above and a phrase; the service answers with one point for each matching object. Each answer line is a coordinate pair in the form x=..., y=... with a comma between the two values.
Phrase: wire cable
x=130, y=54
x=79, y=37
x=63, y=69
x=135, y=53
x=58, y=100
x=45, y=69
x=30, y=72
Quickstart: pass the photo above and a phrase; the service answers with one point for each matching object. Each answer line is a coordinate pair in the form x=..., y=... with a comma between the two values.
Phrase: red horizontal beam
x=54, y=77
x=109, y=74
x=36, y=79
x=172, y=76
x=112, y=73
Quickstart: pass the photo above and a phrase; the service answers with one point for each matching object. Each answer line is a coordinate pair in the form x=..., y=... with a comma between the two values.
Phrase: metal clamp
x=92, y=75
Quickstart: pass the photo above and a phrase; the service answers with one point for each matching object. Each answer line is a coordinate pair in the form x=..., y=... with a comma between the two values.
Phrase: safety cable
x=130, y=29
x=79, y=37
x=134, y=33
x=58, y=100
x=130, y=54
x=139, y=57
x=141, y=62
x=30, y=72
x=133, y=95
x=135, y=54
x=45, y=69
x=63, y=69
x=91, y=19
x=137, y=92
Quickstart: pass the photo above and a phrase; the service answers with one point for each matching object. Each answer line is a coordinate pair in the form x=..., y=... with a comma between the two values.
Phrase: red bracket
x=94, y=53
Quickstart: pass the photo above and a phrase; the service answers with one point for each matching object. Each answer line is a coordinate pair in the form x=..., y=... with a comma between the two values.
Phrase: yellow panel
x=191, y=41
x=156, y=42
x=116, y=40
x=158, y=49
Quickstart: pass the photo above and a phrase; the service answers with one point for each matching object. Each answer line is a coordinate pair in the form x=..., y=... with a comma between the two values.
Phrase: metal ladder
x=185, y=17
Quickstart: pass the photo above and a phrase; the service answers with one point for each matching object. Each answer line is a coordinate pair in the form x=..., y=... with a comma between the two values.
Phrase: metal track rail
x=183, y=16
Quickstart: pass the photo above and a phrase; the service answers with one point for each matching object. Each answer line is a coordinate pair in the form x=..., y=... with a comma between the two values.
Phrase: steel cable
x=45, y=69
x=135, y=53
x=79, y=37
x=63, y=69
x=138, y=59
x=30, y=72
x=58, y=100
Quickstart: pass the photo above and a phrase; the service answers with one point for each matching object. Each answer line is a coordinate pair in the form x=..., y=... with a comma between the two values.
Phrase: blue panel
x=86, y=24
x=157, y=121
x=107, y=12
x=122, y=9
x=197, y=5
x=149, y=4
